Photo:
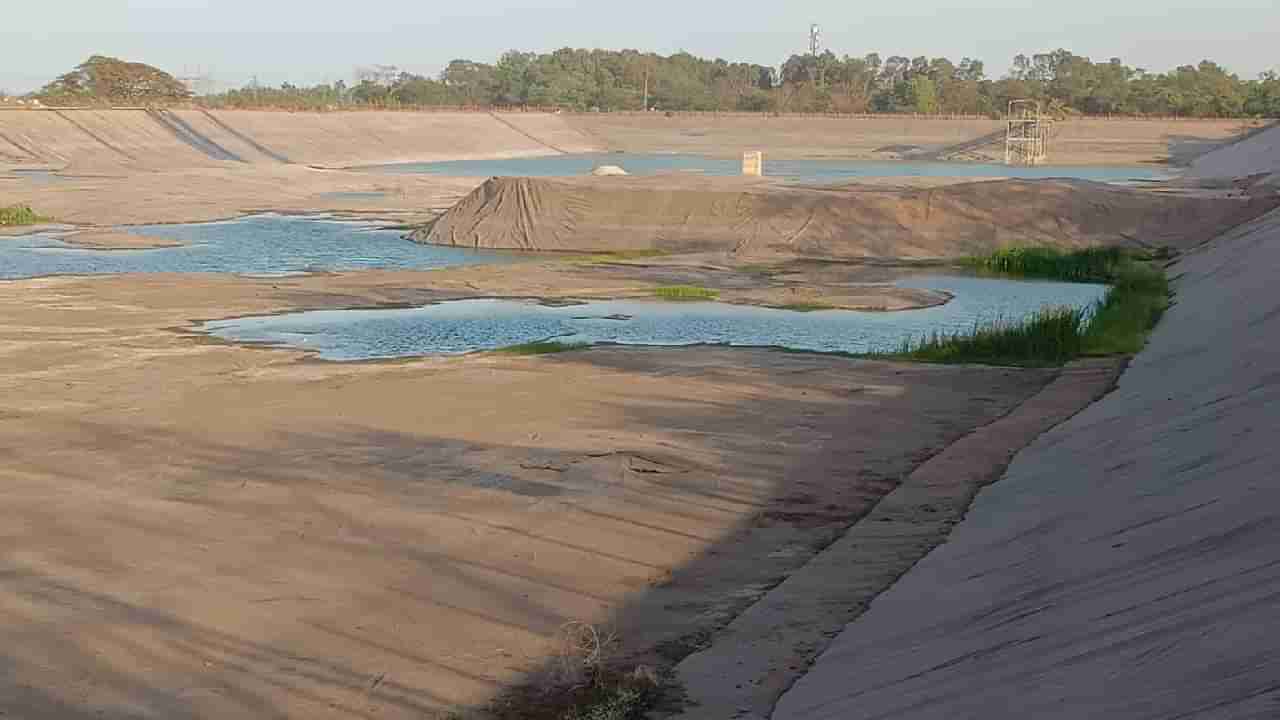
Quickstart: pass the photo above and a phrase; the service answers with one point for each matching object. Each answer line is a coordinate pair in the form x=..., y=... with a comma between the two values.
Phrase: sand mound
x=759, y=218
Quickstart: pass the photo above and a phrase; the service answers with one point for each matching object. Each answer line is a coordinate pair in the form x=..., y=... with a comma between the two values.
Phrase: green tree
x=107, y=80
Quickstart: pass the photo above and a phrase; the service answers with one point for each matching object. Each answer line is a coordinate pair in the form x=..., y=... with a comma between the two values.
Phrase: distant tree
x=920, y=95
x=472, y=82
x=580, y=79
x=1264, y=96
x=107, y=80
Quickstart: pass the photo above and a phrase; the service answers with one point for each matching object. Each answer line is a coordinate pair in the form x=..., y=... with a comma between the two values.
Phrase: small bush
x=685, y=292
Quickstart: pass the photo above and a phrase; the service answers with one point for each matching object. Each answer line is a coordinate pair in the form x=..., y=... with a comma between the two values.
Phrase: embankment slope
x=163, y=140
x=1255, y=155
x=757, y=218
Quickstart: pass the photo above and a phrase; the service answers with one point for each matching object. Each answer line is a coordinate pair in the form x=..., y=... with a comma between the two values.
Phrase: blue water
x=256, y=245
x=470, y=325
x=795, y=170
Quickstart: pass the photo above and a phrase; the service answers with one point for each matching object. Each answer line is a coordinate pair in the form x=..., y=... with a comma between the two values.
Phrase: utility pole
x=646, y=90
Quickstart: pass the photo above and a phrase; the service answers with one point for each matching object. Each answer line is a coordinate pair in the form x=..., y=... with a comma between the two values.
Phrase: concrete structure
x=1026, y=138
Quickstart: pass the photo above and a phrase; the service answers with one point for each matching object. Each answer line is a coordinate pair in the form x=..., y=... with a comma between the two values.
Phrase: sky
x=310, y=41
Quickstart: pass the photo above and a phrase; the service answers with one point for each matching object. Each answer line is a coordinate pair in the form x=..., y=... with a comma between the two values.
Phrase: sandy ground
x=204, y=530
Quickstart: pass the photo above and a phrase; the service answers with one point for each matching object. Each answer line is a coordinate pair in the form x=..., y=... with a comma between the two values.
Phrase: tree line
x=608, y=80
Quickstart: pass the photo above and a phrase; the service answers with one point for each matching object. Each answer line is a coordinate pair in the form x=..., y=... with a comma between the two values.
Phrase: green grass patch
x=685, y=292
x=1051, y=337
x=1117, y=325
x=16, y=215
x=1137, y=300
x=540, y=347
x=1089, y=265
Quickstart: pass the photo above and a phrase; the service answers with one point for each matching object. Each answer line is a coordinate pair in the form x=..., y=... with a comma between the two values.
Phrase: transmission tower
x=816, y=72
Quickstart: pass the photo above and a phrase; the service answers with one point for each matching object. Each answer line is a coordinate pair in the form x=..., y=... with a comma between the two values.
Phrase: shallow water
x=795, y=170
x=39, y=177
x=260, y=245
x=471, y=325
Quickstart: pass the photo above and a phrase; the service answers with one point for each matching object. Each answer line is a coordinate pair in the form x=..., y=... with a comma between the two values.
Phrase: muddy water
x=257, y=245
x=471, y=325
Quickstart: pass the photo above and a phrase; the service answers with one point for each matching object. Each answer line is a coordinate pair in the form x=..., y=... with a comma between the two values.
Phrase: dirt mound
x=760, y=218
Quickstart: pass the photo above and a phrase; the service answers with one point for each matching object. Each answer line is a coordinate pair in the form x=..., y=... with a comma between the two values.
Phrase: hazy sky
x=307, y=41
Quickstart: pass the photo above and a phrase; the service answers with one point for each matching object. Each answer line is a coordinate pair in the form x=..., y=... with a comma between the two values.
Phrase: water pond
x=471, y=325
x=793, y=170
x=255, y=245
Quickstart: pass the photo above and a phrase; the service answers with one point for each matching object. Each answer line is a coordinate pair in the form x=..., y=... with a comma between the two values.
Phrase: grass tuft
x=16, y=215
x=540, y=347
x=685, y=292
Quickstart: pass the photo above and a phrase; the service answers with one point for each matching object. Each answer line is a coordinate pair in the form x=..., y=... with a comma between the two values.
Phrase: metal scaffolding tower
x=1026, y=140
